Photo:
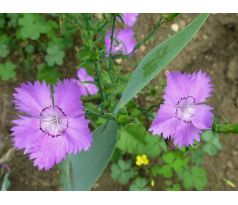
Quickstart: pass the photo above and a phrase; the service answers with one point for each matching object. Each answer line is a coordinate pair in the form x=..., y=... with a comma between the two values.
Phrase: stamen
x=54, y=121
x=185, y=108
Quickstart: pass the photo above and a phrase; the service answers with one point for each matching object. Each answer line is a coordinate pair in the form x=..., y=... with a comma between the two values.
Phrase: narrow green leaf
x=6, y=182
x=158, y=58
x=80, y=172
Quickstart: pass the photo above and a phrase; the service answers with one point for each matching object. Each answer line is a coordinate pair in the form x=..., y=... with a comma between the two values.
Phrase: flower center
x=53, y=121
x=185, y=109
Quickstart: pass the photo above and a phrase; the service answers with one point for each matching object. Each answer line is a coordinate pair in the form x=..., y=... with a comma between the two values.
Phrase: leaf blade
x=150, y=66
x=80, y=172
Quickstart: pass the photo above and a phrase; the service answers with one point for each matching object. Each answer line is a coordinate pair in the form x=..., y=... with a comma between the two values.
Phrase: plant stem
x=99, y=79
x=138, y=45
x=110, y=51
x=104, y=115
x=91, y=98
x=226, y=128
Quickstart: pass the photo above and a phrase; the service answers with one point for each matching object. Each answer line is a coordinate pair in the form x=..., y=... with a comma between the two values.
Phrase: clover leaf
x=139, y=184
x=212, y=144
x=4, y=51
x=135, y=140
x=195, y=177
x=32, y=25
x=173, y=161
x=7, y=71
x=123, y=171
x=49, y=74
x=55, y=55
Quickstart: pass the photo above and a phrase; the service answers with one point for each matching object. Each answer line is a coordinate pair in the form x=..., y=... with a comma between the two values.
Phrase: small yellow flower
x=142, y=160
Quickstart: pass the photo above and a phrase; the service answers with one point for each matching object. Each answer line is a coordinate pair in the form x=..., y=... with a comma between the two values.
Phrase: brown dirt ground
x=215, y=50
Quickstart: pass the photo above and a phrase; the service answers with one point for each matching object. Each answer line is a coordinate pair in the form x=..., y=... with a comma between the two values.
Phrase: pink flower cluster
x=123, y=39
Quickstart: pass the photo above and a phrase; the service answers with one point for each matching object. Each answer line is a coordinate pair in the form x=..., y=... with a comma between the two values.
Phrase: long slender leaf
x=158, y=58
x=6, y=182
x=80, y=172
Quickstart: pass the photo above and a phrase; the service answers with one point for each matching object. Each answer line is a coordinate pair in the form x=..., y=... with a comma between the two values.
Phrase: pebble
x=118, y=61
x=232, y=69
x=175, y=27
x=142, y=36
x=142, y=48
x=230, y=165
x=205, y=37
x=235, y=152
x=99, y=16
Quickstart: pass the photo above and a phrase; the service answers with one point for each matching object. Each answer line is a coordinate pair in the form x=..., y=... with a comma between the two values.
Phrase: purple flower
x=85, y=86
x=123, y=41
x=51, y=125
x=184, y=115
x=130, y=18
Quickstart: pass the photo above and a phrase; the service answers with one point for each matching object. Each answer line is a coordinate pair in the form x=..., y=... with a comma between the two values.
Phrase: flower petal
x=32, y=98
x=201, y=86
x=203, y=117
x=49, y=151
x=126, y=37
x=165, y=122
x=130, y=18
x=78, y=134
x=186, y=134
x=82, y=74
x=67, y=97
x=177, y=87
x=25, y=132
x=92, y=89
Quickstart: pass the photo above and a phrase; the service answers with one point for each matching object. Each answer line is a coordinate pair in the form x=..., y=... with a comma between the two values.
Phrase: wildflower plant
x=95, y=117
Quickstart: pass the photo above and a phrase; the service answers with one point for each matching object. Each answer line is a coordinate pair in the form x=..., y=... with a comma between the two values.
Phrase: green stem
x=150, y=34
x=91, y=98
x=226, y=128
x=110, y=52
x=99, y=79
x=109, y=116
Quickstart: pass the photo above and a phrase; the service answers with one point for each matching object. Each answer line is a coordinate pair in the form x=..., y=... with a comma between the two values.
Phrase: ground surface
x=215, y=50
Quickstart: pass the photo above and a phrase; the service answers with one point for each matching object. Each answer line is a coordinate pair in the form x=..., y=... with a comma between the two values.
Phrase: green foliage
x=55, y=55
x=80, y=172
x=195, y=177
x=4, y=51
x=175, y=187
x=134, y=139
x=4, y=45
x=49, y=74
x=31, y=26
x=139, y=184
x=173, y=161
x=6, y=182
x=212, y=144
x=123, y=171
x=7, y=71
x=197, y=156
